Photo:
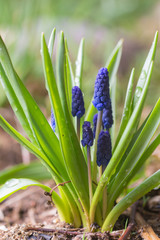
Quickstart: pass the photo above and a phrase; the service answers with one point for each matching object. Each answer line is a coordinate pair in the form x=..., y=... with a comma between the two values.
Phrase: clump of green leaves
x=62, y=153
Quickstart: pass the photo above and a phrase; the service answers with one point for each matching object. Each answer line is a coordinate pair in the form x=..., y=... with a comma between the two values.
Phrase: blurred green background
x=102, y=23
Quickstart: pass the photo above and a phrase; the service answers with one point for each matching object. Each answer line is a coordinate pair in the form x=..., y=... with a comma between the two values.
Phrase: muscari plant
x=91, y=165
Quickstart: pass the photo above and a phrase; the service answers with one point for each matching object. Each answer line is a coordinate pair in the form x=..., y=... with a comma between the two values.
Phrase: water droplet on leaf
x=12, y=182
x=138, y=91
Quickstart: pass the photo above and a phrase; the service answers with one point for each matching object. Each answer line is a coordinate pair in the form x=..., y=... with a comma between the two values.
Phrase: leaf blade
x=14, y=185
x=79, y=65
x=129, y=199
x=145, y=70
x=75, y=163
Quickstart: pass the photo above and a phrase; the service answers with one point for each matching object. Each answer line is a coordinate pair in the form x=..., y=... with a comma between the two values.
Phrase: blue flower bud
x=87, y=134
x=95, y=124
x=104, y=149
x=107, y=117
x=53, y=123
x=101, y=90
x=77, y=102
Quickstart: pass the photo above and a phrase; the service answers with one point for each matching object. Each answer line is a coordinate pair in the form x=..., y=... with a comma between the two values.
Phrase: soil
x=31, y=208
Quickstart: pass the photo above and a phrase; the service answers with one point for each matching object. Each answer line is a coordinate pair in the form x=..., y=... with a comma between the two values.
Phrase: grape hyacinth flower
x=87, y=137
x=95, y=124
x=53, y=123
x=78, y=109
x=101, y=90
x=104, y=154
x=87, y=140
x=104, y=149
x=107, y=117
x=101, y=100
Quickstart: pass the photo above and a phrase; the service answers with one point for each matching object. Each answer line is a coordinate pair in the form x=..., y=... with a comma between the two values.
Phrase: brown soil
x=30, y=208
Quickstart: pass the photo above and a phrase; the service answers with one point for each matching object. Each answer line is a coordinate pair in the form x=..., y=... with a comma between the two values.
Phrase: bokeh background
x=101, y=22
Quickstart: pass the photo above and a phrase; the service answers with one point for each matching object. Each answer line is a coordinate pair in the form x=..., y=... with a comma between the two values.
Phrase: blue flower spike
x=107, y=117
x=87, y=136
x=78, y=109
x=101, y=101
x=104, y=149
x=101, y=90
x=95, y=124
x=87, y=140
x=53, y=122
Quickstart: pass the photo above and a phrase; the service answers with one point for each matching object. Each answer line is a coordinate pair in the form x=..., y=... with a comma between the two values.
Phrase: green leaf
x=34, y=170
x=12, y=90
x=69, y=74
x=61, y=74
x=2, y=96
x=127, y=107
x=51, y=42
x=147, y=153
x=33, y=149
x=113, y=101
x=112, y=66
x=131, y=144
x=73, y=157
x=113, y=62
x=129, y=199
x=14, y=185
x=123, y=176
x=41, y=129
x=145, y=71
x=27, y=144
x=79, y=65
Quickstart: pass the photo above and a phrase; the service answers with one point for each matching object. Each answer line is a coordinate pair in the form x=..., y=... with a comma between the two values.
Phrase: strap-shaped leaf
x=61, y=74
x=127, y=107
x=145, y=70
x=113, y=62
x=20, y=99
x=15, y=104
x=69, y=74
x=74, y=160
x=34, y=170
x=79, y=65
x=51, y=42
x=128, y=168
x=113, y=101
x=32, y=148
x=131, y=144
x=15, y=184
x=129, y=199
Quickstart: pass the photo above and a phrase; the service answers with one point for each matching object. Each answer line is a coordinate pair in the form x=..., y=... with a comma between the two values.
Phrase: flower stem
x=89, y=173
x=98, y=129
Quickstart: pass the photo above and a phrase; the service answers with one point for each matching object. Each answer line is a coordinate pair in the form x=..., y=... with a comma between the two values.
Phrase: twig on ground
x=72, y=232
x=146, y=232
x=131, y=224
